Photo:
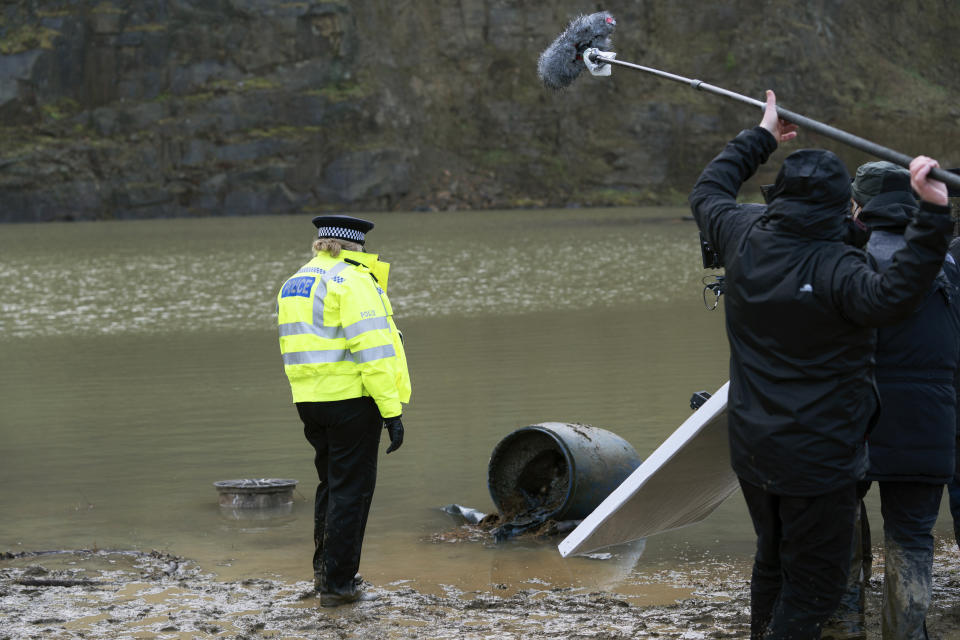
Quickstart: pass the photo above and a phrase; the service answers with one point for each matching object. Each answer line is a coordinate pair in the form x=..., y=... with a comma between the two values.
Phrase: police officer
x=344, y=358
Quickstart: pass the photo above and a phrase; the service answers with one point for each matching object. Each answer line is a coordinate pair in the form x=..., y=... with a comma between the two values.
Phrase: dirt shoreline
x=129, y=594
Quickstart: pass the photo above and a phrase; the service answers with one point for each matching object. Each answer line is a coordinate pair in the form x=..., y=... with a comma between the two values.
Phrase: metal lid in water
x=255, y=485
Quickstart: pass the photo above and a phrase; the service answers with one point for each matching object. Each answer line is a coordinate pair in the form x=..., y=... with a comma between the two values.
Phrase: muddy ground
x=95, y=594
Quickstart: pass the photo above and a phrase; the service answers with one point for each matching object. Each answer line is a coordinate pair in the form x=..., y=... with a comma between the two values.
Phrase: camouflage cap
x=869, y=180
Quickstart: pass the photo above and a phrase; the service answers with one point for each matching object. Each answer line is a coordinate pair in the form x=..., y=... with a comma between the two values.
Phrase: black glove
x=394, y=427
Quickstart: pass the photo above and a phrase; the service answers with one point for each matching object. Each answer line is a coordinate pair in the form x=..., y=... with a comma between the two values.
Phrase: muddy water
x=140, y=365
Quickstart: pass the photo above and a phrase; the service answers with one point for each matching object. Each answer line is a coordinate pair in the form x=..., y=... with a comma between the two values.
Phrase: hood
x=893, y=207
x=811, y=195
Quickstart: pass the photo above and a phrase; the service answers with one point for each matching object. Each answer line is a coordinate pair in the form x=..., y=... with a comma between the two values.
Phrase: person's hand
x=932, y=191
x=394, y=428
x=778, y=127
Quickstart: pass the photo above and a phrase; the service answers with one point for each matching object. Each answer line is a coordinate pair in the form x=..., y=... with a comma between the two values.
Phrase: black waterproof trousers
x=345, y=435
x=803, y=557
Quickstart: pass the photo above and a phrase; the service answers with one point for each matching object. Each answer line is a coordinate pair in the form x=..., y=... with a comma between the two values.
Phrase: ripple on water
x=101, y=287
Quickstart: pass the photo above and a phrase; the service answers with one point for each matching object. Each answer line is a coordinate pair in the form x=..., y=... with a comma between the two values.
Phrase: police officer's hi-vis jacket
x=337, y=334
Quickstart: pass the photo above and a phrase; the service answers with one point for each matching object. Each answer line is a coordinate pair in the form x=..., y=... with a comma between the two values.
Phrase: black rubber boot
x=356, y=594
x=847, y=623
x=906, y=593
x=319, y=586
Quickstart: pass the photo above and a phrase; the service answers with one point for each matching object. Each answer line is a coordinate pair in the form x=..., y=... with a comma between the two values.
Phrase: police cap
x=342, y=228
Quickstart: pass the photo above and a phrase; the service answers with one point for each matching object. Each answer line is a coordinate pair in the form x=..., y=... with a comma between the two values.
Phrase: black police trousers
x=802, y=561
x=345, y=435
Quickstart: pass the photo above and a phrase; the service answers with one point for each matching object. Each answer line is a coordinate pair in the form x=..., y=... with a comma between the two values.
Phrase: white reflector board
x=681, y=483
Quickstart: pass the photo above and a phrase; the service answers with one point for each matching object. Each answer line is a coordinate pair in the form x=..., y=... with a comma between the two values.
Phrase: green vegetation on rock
x=284, y=104
x=27, y=37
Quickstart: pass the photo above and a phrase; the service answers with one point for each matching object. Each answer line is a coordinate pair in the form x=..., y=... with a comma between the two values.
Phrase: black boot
x=318, y=585
x=353, y=594
x=847, y=622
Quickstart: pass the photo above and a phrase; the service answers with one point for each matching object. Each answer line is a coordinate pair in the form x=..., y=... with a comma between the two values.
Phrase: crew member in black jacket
x=801, y=311
x=912, y=447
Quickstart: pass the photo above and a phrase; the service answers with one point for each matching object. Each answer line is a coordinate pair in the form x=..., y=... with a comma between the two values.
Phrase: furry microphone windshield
x=562, y=61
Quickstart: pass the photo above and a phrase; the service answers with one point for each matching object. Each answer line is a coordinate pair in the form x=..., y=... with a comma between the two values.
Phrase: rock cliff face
x=148, y=108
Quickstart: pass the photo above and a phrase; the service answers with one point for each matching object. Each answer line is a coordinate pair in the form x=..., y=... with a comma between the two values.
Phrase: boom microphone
x=587, y=40
x=562, y=61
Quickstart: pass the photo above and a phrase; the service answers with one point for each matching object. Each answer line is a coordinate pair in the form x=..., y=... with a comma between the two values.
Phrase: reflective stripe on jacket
x=337, y=335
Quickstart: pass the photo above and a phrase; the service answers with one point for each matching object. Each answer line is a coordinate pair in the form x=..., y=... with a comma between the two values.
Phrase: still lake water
x=140, y=364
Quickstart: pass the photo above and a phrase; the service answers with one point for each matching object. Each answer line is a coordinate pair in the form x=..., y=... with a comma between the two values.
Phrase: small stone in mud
x=480, y=603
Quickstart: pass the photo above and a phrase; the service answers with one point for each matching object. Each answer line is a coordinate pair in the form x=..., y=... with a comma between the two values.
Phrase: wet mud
x=94, y=594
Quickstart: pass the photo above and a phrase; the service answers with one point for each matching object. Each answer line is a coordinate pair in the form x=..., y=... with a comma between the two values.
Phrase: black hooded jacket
x=917, y=359
x=801, y=307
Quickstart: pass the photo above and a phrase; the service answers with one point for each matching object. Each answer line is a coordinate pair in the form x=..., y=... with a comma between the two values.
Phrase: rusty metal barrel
x=561, y=470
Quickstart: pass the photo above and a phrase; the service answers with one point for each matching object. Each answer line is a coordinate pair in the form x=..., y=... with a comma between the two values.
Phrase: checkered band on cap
x=340, y=232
